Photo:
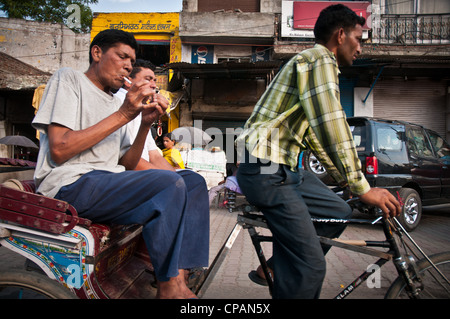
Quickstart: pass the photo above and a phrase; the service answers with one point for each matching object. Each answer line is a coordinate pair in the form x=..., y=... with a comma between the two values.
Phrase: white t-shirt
x=133, y=128
x=72, y=100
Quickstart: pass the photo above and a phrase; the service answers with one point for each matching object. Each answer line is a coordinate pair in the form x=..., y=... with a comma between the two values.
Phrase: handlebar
x=356, y=203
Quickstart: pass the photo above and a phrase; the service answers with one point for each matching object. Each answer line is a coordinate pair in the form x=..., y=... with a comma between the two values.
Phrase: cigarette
x=128, y=80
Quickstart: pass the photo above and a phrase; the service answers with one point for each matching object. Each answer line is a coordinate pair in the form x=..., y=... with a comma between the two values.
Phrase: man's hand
x=383, y=199
x=136, y=99
x=153, y=110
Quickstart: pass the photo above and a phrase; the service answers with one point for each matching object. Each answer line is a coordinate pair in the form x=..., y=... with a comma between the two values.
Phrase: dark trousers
x=288, y=200
x=172, y=207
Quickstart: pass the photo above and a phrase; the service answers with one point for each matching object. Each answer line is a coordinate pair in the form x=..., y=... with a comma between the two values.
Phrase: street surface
x=343, y=266
x=231, y=281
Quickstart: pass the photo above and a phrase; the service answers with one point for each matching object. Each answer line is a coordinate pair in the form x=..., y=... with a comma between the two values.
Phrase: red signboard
x=307, y=12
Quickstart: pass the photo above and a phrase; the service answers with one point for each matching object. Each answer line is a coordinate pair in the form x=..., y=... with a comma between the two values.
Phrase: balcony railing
x=411, y=29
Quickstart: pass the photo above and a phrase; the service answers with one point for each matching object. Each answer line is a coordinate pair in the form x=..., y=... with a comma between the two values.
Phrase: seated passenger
x=86, y=159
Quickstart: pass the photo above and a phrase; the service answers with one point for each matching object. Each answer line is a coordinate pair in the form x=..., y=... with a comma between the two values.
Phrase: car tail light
x=371, y=165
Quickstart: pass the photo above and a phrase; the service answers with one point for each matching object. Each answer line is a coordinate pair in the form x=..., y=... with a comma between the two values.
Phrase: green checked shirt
x=301, y=109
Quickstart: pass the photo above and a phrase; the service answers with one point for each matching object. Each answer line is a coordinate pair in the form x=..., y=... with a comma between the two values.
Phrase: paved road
x=231, y=282
x=433, y=234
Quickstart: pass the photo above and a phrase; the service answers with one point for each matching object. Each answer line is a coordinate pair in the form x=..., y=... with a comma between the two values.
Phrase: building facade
x=403, y=72
x=46, y=46
x=159, y=42
x=30, y=52
x=216, y=58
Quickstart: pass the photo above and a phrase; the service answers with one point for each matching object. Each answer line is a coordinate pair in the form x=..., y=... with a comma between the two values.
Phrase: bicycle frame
x=392, y=253
x=251, y=221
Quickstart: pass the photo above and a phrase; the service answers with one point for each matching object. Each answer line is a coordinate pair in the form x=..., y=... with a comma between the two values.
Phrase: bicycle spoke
x=445, y=286
x=432, y=284
x=421, y=251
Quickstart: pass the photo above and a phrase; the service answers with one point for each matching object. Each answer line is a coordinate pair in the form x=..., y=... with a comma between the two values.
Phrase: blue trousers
x=173, y=208
x=288, y=200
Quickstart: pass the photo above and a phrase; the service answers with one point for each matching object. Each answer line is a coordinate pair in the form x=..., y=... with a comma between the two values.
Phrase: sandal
x=195, y=277
x=257, y=279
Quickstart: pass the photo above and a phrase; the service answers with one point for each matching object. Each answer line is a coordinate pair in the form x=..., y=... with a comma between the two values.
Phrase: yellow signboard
x=175, y=49
x=148, y=26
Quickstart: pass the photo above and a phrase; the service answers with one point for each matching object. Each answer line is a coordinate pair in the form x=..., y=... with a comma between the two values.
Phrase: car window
x=441, y=147
x=389, y=139
x=359, y=137
x=418, y=144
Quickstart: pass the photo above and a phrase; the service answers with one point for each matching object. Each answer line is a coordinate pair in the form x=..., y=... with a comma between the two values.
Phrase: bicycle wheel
x=19, y=284
x=435, y=287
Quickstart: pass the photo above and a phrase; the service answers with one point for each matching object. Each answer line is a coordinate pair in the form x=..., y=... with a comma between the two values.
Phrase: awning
x=234, y=70
x=17, y=75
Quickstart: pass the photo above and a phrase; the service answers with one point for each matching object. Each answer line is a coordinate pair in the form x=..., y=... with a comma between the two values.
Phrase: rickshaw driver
x=87, y=160
x=301, y=107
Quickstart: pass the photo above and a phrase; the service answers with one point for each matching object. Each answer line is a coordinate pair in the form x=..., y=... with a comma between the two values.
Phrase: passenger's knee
x=193, y=179
x=171, y=179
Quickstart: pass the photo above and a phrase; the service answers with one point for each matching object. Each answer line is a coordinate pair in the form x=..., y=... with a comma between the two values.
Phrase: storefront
x=221, y=96
x=158, y=37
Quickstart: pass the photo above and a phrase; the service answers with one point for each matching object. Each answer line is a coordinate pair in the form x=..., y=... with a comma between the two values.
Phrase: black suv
x=401, y=157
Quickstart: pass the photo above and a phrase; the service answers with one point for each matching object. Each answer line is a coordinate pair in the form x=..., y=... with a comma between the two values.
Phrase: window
x=418, y=144
x=399, y=7
x=416, y=7
x=359, y=137
x=388, y=139
x=440, y=146
x=434, y=6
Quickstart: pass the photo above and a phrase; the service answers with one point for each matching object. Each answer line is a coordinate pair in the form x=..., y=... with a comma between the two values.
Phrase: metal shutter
x=420, y=101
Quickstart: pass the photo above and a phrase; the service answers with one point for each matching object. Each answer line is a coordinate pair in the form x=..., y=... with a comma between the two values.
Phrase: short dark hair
x=335, y=17
x=110, y=37
x=170, y=136
x=139, y=64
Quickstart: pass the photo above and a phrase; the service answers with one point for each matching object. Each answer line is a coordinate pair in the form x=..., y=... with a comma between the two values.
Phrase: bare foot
x=175, y=288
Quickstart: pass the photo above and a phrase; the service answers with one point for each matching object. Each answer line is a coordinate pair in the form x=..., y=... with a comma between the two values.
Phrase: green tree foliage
x=76, y=14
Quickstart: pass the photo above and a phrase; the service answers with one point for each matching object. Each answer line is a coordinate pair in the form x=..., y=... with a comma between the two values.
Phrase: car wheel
x=411, y=210
x=313, y=165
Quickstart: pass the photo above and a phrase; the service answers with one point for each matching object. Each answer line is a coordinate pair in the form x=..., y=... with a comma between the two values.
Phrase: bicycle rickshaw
x=71, y=257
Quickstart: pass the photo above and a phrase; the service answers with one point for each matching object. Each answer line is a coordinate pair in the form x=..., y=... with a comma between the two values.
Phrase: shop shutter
x=420, y=101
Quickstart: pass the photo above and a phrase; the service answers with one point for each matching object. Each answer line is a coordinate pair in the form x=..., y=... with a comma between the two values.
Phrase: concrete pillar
x=362, y=108
x=3, y=148
x=447, y=115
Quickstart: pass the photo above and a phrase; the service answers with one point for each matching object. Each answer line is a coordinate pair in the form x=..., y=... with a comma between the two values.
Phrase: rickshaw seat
x=21, y=205
x=119, y=259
